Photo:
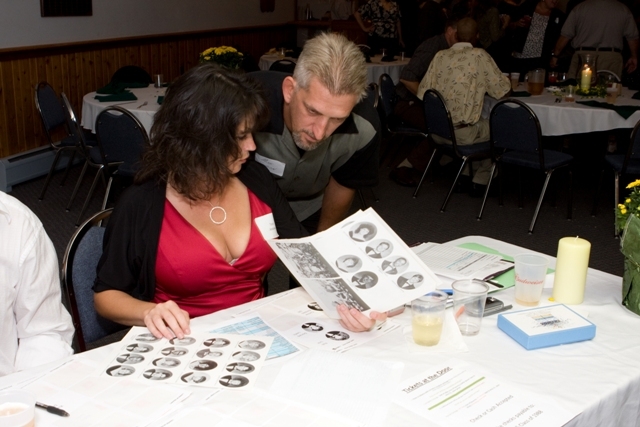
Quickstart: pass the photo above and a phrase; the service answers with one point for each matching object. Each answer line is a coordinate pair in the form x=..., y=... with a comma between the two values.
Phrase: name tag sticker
x=275, y=167
x=267, y=226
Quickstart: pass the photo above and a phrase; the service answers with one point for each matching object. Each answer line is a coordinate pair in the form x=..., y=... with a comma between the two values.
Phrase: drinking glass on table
x=515, y=80
x=562, y=77
x=428, y=317
x=553, y=77
x=531, y=271
x=569, y=94
x=469, y=297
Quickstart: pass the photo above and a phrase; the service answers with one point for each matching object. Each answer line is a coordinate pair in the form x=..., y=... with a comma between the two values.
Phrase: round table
x=91, y=107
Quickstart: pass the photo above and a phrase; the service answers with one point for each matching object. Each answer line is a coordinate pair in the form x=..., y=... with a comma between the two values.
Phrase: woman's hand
x=167, y=320
x=354, y=321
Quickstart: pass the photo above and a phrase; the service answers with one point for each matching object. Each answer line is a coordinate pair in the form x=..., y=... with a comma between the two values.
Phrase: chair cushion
x=616, y=161
x=552, y=159
x=68, y=141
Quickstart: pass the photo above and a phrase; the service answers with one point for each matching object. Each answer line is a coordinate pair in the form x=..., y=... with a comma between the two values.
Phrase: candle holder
x=588, y=70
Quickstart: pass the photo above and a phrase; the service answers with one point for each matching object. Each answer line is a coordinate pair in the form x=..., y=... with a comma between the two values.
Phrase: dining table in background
x=375, y=68
x=570, y=118
x=597, y=380
x=144, y=108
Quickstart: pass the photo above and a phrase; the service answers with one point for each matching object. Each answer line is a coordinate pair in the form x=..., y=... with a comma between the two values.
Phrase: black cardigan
x=130, y=245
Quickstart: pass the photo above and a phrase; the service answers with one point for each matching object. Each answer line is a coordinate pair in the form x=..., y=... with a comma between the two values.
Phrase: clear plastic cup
x=531, y=272
x=17, y=409
x=428, y=318
x=515, y=81
x=469, y=297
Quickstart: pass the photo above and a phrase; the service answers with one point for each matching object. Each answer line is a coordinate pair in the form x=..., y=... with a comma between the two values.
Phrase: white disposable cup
x=428, y=318
x=402, y=56
x=21, y=401
x=531, y=272
x=469, y=296
x=515, y=80
x=384, y=52
x=158, y=79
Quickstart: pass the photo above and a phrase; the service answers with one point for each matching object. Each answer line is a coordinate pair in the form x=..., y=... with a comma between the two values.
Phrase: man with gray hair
x=322, y=142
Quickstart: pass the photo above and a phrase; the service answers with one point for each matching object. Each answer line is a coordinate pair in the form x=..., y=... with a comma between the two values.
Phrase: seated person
x=36, y=328
x=186, y=240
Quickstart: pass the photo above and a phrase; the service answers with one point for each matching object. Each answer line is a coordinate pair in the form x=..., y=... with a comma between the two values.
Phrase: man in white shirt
x=35, y=328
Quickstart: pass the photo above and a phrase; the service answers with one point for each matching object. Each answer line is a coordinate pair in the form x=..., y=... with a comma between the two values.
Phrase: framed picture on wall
x=65, y=8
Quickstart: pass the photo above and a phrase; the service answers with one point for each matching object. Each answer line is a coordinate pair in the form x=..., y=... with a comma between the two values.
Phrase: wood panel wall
x=79, y=68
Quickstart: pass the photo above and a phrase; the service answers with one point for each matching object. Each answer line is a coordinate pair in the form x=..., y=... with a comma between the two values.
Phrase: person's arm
x=364, y=28
x=632, y=62
x=560, y=45
x=44, y=327
x=163, y=320
x=412, y=86
x=335, y=204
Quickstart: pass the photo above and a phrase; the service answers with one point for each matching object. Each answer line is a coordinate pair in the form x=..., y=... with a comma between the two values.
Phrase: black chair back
x=633, y=152
x=437, y=116
x=50, y=108
x=514, y=126
x=131, y=74
x=72, y=123
x=388, y=95
x=78, y=276
x=283, y=65
x=373, y=95
x=121, y=138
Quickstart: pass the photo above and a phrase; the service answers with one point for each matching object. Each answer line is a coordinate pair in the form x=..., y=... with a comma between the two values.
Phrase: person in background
x=491, y=28
x=385, y=30
x=432, y=19
x=35, y=328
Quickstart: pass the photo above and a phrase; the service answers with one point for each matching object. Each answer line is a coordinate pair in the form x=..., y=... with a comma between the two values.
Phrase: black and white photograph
x=312, y=327
x=234, y=381
x=379, y=249
x=202, y=365
x=309, y=262
x=157, y=374
x=174, y=351
x=395, y=265
x=364, y=280
x=349, y=263
x=130, y=358
x=333, y=292
x=240, y=368
x=337, y=335
x=251, y=345
x=120, y=370
x=147, y=337
x=139, y=348
x=209, y=353
x=194, y=378
x=216, y=342
x=246, y=356
x=166, y=362
x=411, y=280
x=363, y=232
x=182, y=341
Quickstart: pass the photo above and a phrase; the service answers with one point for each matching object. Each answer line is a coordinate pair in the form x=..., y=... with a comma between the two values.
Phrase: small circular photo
x=139, y=348
x=202, y=365
x=174, y=351
x=207, y=352
x=147, y=337
x=166, y=362
x=410, y=280
x=364, y=280
x=182, y=341
x=348, y=263
x=337, y=335
x=130, y=358
x=312, y=327
x=395, y=265
x=234, y=381
x=379, y=248
x=120, y=371
x=217, y=342
x=246, y=356
x=363, y=232
x=314, y=306
x=194, y=378
x=157, y=374
x=252, y=344
x=240, y=368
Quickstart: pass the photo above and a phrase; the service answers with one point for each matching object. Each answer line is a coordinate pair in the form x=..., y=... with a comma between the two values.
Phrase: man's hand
x=353, y=320
x=167, y=320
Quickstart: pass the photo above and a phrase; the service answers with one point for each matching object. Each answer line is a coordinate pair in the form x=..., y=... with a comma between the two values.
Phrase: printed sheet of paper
x=355, y=387
x=203, y=359
x=360, y=262
x=327, y=334
x=256, y=326
x=457, y=395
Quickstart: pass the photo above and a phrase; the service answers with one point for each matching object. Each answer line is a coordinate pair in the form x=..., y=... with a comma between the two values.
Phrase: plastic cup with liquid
x=17, y=409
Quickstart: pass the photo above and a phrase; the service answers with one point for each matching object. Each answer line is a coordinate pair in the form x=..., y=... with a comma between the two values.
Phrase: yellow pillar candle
x=585, y=79
x=571, y=270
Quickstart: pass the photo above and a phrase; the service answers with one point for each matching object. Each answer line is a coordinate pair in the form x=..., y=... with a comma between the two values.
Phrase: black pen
x=52, y=409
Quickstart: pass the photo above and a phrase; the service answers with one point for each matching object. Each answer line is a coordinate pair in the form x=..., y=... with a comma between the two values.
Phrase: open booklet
x=360, y=262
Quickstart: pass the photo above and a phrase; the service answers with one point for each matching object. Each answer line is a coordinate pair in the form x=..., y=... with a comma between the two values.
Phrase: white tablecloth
x=597, y=379
x=374, y=69
x=91, y=107
x=568, y=118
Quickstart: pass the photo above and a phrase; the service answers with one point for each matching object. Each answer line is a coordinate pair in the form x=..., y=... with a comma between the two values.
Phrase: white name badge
x=267, y=226
x=275, y=167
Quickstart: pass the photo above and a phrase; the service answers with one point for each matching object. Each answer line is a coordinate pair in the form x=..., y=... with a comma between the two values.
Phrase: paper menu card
x=202, y=359
x=360, y=262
